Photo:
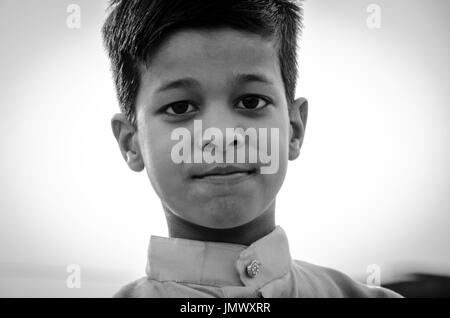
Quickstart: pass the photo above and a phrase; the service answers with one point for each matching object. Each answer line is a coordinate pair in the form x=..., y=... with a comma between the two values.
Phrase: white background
x=371, y=185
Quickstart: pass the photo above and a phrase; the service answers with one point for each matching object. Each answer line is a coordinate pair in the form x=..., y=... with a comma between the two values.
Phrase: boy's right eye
x=179, y=108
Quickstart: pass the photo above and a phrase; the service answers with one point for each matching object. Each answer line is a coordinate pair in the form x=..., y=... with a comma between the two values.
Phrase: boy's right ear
x=126, y=137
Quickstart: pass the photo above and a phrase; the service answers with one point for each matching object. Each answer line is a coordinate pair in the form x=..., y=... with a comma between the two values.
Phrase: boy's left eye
x=252, y=102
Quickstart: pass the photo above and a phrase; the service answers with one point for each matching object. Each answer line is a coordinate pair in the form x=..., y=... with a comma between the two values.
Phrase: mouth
x=227, y=174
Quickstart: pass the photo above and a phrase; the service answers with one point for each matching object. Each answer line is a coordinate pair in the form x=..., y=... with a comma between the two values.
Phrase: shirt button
x=253, y=268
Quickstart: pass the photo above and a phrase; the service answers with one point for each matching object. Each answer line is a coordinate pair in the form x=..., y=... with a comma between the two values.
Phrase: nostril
x=238, y=141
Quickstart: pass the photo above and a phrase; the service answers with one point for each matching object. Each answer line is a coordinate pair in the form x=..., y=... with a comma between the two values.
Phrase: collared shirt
x=187, y=268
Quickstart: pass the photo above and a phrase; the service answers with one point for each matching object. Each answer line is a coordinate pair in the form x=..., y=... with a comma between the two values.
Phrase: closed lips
x=224, y=171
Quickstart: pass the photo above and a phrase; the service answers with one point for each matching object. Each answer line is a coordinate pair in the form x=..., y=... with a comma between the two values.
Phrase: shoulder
x=146, y=288
x=149, y=288
x=328, y=282
x=130, y=289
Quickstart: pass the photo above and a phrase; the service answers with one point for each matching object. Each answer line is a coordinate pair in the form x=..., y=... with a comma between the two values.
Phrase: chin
x=225, y=214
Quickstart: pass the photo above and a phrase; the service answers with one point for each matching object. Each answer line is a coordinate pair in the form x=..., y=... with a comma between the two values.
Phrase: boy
x=200, y=85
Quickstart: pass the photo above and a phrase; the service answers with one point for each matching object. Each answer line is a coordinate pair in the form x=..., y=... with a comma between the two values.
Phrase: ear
x=298, y=115
x=126, y=136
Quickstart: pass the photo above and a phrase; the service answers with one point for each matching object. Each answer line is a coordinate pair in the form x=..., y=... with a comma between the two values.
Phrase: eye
x=252, y=102
x=179, y=108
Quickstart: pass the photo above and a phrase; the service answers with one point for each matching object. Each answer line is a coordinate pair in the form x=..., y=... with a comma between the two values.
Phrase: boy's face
x=226, y=79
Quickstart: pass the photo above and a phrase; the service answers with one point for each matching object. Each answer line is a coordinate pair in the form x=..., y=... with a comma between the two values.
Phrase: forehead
x=213, y=56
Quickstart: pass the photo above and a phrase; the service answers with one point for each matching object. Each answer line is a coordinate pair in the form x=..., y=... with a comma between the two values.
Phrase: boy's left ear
x=298, y=115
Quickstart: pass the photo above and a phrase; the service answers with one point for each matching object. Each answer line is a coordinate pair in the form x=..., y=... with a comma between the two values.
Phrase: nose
x=230, y=138
x=219, y=133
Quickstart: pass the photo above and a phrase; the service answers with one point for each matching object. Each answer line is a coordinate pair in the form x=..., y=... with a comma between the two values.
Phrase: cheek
x=283, y=126
x=155, y=145
x=283, y=150
x=276, y=179
x=273, y=182
x=163, y=173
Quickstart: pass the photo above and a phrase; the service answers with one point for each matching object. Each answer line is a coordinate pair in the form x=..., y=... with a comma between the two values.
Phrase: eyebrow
x=189, y=82
x=186, y=82
x=253, y=77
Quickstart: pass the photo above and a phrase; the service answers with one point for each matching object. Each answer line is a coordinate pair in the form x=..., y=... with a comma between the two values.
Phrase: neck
x=245, y=234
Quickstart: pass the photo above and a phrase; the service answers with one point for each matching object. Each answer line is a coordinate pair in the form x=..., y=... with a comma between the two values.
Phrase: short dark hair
x=134, y=29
